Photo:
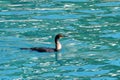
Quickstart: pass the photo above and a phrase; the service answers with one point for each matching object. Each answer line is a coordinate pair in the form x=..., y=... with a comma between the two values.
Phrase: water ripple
x=117, y=3
x=70, y=16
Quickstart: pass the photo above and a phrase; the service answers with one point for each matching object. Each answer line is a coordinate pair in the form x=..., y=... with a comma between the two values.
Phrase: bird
x=57, y=48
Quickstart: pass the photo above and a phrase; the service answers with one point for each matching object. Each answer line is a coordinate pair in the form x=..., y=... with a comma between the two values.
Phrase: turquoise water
x=90, y=52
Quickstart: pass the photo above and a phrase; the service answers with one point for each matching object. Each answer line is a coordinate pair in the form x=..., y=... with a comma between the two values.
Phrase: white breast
x=59, y=46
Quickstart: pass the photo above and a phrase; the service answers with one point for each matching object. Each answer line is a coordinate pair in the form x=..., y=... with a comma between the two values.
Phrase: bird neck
x=58, y=46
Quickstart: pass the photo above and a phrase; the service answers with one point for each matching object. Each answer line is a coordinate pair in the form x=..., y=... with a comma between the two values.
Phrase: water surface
x=90, y=52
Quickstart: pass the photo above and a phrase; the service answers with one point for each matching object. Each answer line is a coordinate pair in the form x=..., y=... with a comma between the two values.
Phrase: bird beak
x=62, y=36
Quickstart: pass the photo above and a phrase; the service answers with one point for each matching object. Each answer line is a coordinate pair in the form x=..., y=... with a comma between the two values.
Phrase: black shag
x=58, y=46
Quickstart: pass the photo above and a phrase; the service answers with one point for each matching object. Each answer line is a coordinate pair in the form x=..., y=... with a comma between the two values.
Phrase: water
x=90, y=52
